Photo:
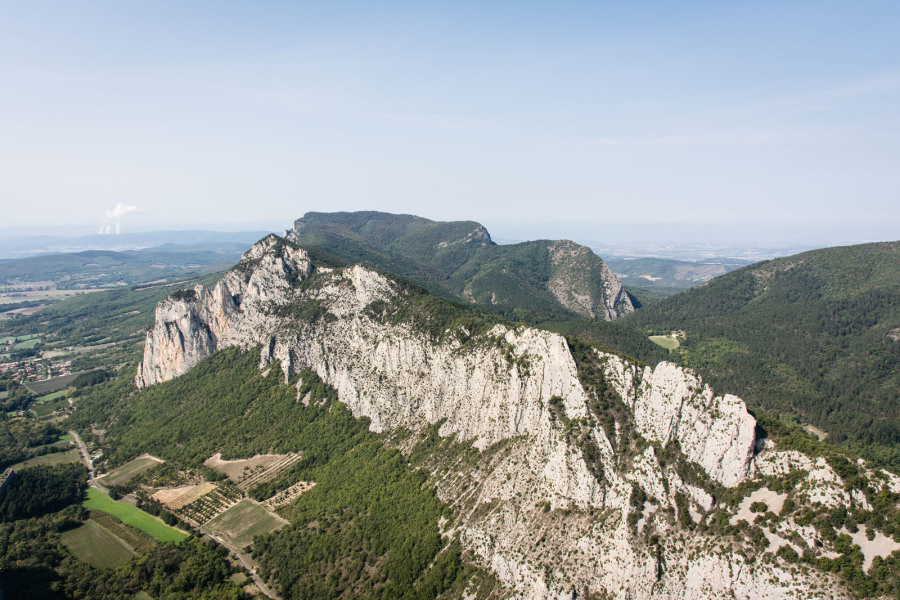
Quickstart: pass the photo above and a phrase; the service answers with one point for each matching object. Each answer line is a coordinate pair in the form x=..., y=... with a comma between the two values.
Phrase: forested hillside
x=816, y=335
x=369, y=527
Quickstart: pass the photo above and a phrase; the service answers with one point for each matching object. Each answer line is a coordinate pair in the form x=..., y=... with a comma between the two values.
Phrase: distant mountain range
x=14, y=246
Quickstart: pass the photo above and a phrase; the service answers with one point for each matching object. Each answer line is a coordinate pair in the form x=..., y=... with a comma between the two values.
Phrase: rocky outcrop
x=583, y=283
x=191, y=324
x=552, y=506
x=670, y=403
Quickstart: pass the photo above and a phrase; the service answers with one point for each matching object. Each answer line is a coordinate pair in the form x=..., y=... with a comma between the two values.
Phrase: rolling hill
x=815, y=335
x=93, y=268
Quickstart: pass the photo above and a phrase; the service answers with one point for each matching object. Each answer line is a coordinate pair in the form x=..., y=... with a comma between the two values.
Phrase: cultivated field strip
x=270, y=472
x=287, y=495
x=180, y=497
x=130, y=470
x=211, y=505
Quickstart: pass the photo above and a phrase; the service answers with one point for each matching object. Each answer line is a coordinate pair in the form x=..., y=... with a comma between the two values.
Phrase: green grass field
x=21, y=338
x=243, y=521
x=135, y=517
x=667, y=342
x=128, y=471
x=27, y=344
x=47, y=408
x=95, y=545
x=51, y=397
x=55, y=458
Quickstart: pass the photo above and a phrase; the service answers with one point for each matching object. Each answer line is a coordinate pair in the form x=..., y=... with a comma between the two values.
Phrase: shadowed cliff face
x=608, y=467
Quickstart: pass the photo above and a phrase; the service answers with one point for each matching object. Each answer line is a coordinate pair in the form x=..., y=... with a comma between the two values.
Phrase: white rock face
x=573, y=266
x=548, y=505
x=670, y=403
x=236, y=312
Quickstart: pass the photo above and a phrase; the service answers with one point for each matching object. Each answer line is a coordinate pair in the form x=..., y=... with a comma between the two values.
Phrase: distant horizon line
x=707, y=233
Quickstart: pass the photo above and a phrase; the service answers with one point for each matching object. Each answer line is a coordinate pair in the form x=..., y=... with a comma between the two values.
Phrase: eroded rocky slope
x=594, y=476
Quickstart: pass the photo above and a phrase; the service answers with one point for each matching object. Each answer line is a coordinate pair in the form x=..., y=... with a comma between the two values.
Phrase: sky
x=736, y=119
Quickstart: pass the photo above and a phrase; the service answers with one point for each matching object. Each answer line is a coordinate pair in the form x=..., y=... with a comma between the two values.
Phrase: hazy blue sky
x=202, y=113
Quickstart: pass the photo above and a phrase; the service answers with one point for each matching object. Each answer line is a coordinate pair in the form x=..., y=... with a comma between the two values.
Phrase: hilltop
x=530, y=281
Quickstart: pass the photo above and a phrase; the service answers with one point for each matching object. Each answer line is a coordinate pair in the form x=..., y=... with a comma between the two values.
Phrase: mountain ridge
x=538, y=279
x=624, y=472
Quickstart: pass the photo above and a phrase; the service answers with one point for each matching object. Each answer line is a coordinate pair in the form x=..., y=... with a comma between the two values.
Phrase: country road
x=256, y=578
x=87, y=461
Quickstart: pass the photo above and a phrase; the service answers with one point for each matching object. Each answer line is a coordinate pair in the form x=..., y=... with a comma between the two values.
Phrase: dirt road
x=87, y=461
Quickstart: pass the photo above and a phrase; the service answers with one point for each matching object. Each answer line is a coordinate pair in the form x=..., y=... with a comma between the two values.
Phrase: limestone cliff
x=190, y=325
x=593, y=472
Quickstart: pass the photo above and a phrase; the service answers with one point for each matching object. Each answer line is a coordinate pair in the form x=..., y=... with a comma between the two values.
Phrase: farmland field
x=42, y=295
x=250, y=472
x=77, y=350
x=55, y=458
x=666, y=341
x=96, y=546
x=47, y=408
x=129, y=470
x=288, y=495
x=243, y=521
x=135, y=517
x=237, y=469
x=50, y=397
x=20, y=338
x=27, y=344
x=46, y=386
x=134, y=538
x=184, y=495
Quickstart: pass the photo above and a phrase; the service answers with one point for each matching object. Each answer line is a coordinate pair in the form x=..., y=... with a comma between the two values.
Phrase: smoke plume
x=114, y=217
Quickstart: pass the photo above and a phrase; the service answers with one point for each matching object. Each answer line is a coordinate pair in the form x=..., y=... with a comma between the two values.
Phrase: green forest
x=814, y=337
x=369, y=527
x=42, y=503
